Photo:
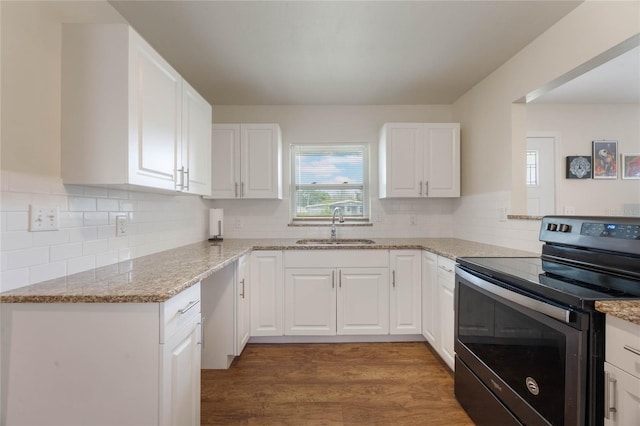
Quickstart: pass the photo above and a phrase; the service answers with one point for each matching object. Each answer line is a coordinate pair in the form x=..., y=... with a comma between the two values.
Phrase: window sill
x=327, y=224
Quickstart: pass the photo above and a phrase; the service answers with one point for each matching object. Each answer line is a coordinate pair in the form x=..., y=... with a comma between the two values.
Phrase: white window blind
x=328, y=176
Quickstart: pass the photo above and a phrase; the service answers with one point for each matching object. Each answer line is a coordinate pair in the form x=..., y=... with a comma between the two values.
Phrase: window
x=532, y=168
x=328, y=176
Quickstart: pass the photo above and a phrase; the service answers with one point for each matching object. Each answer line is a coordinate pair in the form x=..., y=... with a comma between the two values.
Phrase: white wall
x=577, y=126
x=335, y=124
x=493, y=128
x=30, y=37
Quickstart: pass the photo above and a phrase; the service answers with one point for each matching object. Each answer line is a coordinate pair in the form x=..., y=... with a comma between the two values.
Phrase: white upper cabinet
x=128, y=118
x=246, y=161
x=418, y=160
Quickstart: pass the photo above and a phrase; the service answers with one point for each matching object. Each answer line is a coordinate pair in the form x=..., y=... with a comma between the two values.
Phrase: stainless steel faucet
x=333, y=221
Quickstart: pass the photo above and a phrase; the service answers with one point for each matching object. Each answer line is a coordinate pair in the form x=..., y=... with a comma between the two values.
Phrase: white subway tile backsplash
x=118, y=243
x=16, y=240
x=16, y=221
x=47, y=271
x=28, y=257
x=15, y=202
x=49, y=238
x=94, y=191
x=95, y=218
x=65, y=251
x=82, y=204
x=118, y=194
x=70, y=219
x=108, y=258
x=79, y=264
x=14, y=278
x=83, y=234
x=95, y=247
x=106, y=232
x=108, y=205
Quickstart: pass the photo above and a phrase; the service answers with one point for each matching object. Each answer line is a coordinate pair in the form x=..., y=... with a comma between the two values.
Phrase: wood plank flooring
x=332, y=384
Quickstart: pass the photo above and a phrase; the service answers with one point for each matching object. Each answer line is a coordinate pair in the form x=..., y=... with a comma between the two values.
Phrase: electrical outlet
x=569, y=210
x=502, y=214
x=238, y=222
x=413, y=220
x=121, y=226
x=43, y=218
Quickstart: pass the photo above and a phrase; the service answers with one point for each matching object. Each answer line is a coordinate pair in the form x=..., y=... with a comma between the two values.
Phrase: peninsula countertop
x=160, y=276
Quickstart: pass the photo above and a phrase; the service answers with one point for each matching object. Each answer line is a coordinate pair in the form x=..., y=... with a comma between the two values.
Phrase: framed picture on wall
x=630, y=166
x=578, y=167
x=605, y=156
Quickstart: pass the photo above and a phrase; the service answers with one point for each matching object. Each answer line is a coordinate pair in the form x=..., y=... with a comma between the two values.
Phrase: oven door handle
x=517, y=298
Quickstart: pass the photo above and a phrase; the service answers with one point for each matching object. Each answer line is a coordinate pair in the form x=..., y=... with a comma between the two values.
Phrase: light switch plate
x=43, y=218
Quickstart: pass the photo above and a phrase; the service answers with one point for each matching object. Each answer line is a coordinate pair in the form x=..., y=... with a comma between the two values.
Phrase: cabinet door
x=225, y=161
x=155, y=108
x=261, y=166
x=363, y=301
x=181, y=379
x=442, y=160
x=446, y=285
x=406, y=303
x=196, y=142
x=310, y=302
x=430, y=297
x=402, y=168
x=243, y=308
x=267, y=312
x=622, y=398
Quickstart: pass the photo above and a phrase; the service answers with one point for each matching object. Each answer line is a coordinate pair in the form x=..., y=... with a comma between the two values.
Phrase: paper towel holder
x=218, y=237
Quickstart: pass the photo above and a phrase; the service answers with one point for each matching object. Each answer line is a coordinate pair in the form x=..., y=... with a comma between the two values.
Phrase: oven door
x=528, y=354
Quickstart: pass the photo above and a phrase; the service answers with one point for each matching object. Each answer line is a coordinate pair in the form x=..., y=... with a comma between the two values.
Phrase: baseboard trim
x=340, y=339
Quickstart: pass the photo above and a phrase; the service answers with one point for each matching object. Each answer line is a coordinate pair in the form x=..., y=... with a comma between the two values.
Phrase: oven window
x=528, y=355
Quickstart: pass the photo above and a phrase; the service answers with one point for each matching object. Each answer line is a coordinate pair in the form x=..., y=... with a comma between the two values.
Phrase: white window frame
x=366, y=198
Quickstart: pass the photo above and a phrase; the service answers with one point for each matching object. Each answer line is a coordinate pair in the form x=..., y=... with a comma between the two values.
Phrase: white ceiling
x=614, y=82
x=338, y=52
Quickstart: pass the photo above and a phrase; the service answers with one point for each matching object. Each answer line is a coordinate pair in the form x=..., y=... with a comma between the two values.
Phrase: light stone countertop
x=628, y=310
x=158, y=277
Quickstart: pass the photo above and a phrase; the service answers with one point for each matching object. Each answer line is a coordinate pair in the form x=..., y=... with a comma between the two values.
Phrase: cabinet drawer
x=623, y=345
x=336, y=259
x=179, y=311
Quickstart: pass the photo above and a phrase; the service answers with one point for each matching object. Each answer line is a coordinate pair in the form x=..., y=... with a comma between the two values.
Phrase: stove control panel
x=611, y=230
x=620, y=234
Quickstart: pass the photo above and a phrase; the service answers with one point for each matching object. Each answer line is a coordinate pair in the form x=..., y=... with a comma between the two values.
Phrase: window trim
x=366, y=183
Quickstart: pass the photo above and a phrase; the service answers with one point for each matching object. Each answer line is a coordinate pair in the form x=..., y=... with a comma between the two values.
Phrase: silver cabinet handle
x=393, y=278
x=241, y=189
x=333, y=279
x=421, y=188
x=426, y=189
x=180, y=178
x=340, y=278
x=202, y=331
x=188, y=307
x=235, y=188
x=608, y=407
x=445, y=269
x=242, y=282
x=632, y=350
x=185, y=178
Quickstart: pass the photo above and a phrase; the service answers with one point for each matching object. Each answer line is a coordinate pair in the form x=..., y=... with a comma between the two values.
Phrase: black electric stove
x=529, y=341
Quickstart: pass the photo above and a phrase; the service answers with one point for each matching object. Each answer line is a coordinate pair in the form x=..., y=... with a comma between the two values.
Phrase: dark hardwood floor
x=332, y=384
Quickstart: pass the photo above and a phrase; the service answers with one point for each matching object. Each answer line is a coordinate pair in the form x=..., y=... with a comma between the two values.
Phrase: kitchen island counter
x=158, y=277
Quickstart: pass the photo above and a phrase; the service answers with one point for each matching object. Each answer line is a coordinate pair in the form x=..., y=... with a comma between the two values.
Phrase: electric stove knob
x=552, y=227
x=565, y=228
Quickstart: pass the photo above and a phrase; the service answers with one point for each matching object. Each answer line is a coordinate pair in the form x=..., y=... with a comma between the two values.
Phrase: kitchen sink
x=335, y=242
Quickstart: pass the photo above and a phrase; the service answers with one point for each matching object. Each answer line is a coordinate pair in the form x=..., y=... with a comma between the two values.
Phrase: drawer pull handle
x=188, y=307
x=609, y=383
x=446, y=269
x=632, y=350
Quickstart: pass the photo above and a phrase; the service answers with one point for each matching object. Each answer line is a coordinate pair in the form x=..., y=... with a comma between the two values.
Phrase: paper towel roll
x=216, y=224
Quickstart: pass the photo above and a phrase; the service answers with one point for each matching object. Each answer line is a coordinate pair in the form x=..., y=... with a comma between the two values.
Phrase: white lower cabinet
x=243, y=303
x=330, y=301
x=438, y=317
x=622, y=373
x=430, y=297
x=267, y=286
x=446, y=313
x=405, y=291
x=113, y=363
x=349, y=298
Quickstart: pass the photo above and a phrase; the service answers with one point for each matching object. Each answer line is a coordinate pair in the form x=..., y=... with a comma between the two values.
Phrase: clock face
x=578, y=167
